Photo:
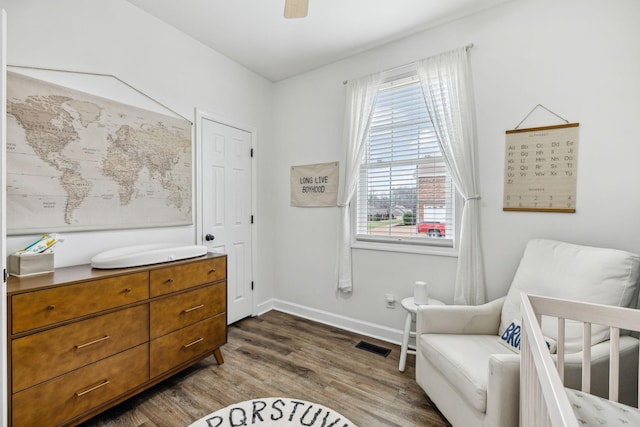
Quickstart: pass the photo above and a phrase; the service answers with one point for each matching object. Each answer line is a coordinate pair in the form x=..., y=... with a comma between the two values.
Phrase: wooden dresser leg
x=218, y=355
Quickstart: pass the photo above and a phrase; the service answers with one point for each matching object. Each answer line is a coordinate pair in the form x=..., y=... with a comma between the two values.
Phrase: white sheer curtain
x=448, y=92
x=361, y=96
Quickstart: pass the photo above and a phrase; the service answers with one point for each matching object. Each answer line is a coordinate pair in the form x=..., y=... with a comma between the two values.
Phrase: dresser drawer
x=178, y=347
x=63, y=398
x=172, y=279
x=175, y=312
x=46, y=307
x=45, y=355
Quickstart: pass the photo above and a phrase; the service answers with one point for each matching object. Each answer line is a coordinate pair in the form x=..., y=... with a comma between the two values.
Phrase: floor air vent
x=373, y=348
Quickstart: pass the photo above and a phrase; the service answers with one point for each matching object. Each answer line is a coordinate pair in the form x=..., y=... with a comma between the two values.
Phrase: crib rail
x=543, y=401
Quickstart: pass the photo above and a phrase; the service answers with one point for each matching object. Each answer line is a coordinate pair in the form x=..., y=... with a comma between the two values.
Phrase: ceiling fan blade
x=296, y=8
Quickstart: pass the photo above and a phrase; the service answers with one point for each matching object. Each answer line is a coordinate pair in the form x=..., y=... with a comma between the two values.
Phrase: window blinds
x=405, y=191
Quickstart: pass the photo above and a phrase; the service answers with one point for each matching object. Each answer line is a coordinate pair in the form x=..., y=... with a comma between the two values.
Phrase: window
x=405, y=193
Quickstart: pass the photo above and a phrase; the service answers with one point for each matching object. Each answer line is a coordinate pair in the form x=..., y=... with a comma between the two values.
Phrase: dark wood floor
x=279, y=355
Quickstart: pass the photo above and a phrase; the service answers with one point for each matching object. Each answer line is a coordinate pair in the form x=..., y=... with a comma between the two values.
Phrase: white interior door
x=226, y=208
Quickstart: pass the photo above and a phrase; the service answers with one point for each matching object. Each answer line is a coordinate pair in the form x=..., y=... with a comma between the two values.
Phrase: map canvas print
x=77, y=161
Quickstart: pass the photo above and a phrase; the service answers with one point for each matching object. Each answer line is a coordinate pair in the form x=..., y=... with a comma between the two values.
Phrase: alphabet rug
x=274, y=411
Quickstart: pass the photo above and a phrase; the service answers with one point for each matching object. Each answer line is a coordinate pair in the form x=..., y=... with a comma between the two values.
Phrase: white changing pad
x=591, y=410
x=154, y=253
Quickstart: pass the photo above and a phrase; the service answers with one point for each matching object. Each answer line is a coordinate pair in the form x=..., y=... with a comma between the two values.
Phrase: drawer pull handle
x=193, y=343
x=51, y=307
x=127, y=290
x=169, y=281
x=189, y=310
x=82, y=393
x=106, y=337
x=212, y=271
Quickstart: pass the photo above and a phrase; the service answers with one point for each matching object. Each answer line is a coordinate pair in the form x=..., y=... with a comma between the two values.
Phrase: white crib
x=544, y=401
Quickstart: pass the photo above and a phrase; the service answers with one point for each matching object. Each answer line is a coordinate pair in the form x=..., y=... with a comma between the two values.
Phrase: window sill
x=405, y=248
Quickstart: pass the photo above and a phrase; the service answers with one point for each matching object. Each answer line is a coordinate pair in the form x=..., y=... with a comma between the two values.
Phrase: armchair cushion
x=463, y=359
x=574, y=272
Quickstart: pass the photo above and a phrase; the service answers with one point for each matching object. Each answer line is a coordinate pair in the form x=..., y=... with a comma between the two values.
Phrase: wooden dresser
x=82, y=340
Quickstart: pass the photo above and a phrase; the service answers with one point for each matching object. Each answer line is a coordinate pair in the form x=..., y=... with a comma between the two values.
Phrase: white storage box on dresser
x=82, y=340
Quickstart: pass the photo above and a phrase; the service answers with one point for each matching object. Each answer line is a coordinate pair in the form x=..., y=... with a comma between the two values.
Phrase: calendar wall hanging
x=541, y=166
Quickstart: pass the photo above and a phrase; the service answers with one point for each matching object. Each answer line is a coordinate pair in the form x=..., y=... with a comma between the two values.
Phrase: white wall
x=115, y=37
x=580, y=58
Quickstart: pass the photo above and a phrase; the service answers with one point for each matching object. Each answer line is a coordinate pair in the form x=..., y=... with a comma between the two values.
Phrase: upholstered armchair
x=473, y=378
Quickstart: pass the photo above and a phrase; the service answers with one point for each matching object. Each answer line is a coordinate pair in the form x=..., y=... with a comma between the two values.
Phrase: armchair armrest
x=459, y=319
x=503, y=390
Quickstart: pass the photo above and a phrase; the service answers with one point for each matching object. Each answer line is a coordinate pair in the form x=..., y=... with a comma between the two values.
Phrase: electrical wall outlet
x=391, y=300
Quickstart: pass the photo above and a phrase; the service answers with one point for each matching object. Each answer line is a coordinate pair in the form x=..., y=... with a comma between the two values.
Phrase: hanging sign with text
x=314, y=185
x=541, y=166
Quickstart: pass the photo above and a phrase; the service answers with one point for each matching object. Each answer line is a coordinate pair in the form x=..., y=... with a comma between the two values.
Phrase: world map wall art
x=77, y=161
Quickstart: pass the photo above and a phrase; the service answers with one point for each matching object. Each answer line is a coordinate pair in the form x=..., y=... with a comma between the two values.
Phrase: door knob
x=209, y=237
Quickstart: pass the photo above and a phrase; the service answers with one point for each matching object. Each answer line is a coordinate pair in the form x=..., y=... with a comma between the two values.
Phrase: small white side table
x=411, y=307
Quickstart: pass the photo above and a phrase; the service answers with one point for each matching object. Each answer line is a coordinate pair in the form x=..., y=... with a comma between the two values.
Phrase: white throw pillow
x=510, y=338
x=573, y=272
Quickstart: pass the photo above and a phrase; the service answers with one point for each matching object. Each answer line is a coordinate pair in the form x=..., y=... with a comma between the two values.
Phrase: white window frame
x=438, y=247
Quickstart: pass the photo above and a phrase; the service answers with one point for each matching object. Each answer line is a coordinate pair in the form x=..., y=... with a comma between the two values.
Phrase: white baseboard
x=264, y=307
x=393, y=336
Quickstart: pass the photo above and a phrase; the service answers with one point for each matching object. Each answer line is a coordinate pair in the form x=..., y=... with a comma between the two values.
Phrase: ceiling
x=255, y=33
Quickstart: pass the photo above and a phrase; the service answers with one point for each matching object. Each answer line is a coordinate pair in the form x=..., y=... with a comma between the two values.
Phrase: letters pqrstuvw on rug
x=274, y=411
